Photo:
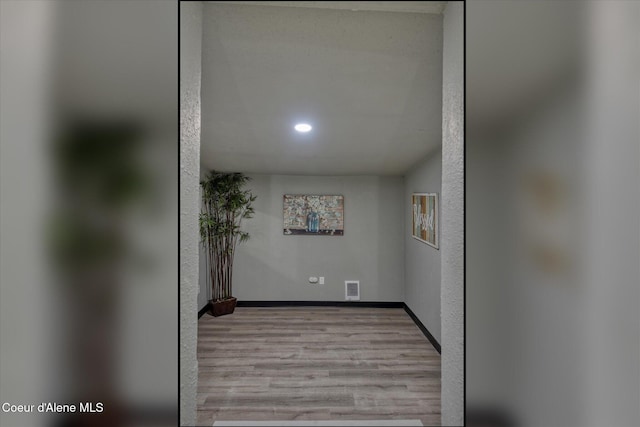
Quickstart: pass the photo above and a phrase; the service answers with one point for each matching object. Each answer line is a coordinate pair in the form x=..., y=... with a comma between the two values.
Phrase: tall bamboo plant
x=224, y=205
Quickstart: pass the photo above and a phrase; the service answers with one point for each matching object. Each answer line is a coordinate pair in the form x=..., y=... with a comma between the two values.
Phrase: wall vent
x=352, y=290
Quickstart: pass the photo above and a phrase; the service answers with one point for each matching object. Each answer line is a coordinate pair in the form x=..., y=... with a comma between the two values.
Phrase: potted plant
x=224, y=205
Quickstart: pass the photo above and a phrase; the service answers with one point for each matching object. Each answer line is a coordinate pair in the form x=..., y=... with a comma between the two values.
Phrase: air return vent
x=352, y=290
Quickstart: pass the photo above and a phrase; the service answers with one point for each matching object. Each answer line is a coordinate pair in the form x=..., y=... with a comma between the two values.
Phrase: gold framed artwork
x=424, y=208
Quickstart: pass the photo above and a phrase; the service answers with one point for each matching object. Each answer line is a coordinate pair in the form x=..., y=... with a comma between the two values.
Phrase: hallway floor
x=316, y=363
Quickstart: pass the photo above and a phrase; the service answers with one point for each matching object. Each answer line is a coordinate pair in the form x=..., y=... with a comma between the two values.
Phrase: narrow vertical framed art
x=424, y=207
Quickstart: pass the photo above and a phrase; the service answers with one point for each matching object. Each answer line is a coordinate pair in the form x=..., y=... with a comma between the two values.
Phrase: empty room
x=321, y=213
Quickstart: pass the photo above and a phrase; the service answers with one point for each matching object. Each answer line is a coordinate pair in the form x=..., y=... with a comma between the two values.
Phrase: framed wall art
x=315, y=215
x=424, y=207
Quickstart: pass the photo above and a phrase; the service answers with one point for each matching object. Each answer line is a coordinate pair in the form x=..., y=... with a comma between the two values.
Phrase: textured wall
x=190, y=66
x=272, y=266
x=422, y=262
x=452, y=208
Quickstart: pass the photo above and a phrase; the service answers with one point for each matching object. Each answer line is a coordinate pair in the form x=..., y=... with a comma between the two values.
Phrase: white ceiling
x=369, y=82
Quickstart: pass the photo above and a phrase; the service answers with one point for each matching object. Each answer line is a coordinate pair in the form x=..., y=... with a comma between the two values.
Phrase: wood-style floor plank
x=316, y=363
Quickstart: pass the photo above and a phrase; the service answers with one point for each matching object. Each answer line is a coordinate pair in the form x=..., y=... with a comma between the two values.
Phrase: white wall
x=486, y=289
x=452, y=208
x=525, y=318
x=612, y=249
x=190, y=69
x=422, y=262
x=273, y=266
x=545, y=305
x=28, y=299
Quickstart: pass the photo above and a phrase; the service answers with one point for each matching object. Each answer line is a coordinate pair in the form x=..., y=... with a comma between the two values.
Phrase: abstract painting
x=425, y=217
x=315, y=215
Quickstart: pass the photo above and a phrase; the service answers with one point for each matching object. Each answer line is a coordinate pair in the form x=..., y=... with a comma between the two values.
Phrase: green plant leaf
x=224, y=205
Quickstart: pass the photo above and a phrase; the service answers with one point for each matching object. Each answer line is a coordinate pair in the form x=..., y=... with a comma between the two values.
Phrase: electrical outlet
x=322, y=280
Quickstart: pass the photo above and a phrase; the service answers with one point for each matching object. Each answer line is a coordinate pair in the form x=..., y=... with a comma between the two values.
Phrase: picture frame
x=425, y=218
x=313, y=214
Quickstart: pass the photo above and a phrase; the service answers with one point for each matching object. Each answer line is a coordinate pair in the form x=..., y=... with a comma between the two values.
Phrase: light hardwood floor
x=316, y=363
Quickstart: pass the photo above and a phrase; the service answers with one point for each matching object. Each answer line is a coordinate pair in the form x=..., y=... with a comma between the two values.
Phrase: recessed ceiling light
x=302, y=127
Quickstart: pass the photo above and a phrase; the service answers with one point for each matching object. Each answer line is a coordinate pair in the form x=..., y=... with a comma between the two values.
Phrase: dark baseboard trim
x=370, y=304
x=423, y=328
x=204, y=310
